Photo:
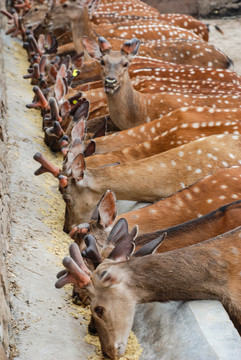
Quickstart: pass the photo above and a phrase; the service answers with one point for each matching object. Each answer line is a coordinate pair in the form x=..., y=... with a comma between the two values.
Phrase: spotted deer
x=147, y=179
x=116, y=12
x=129, y=108
x=209, y=270
x=172, y=134
x=182, y=79
x=76, y=13
x=186, y=91
x=219, y=221
x=166, y=74
x=179, y=52
x=191, y=117
x=202, y=197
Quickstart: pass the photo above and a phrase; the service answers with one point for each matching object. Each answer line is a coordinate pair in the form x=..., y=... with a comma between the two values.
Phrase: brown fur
x=148, y=179
x=208, y=270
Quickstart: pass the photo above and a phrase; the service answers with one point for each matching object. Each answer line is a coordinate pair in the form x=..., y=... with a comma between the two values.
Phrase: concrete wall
x=198, y=7
x=4, y=218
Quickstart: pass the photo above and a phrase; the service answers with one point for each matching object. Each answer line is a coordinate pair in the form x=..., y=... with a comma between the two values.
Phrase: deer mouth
x=111, y=86
x=112, y=90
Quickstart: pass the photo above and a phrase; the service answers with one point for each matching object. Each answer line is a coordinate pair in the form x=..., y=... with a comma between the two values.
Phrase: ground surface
x=45, y=326
x=42, y=320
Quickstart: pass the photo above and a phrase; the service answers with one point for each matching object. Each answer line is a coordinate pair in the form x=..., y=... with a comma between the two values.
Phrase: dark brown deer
x=208, y=270
x=219, y=221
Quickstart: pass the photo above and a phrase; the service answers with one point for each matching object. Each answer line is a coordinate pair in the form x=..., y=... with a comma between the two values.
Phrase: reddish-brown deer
x=172, y=134
x=208, y=270
x=195, y=51
x=148, y=131
x=116, y=13
x=147, y=179
x=130, y=108
x=206, y=195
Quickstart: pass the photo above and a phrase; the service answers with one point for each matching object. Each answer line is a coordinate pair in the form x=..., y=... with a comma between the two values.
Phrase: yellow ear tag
x=46, y=46
x=75, y=102
x=75, y=72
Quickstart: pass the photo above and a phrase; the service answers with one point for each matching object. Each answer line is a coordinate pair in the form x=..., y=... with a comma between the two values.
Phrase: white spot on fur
x=196, y=189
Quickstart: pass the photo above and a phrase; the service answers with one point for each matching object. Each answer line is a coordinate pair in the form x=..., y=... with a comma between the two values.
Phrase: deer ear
x=90, y=149
x=78, y=130
x=131, y=47
x=65, y=109
x=107, y=209
x=118, y=232
x=78, y=167
x=109, y=278
x=83, y=110
x=124, y=247
x=101, y=129
x=151, y=246
x=92, y=48
x=104, y=44
x=59, y=88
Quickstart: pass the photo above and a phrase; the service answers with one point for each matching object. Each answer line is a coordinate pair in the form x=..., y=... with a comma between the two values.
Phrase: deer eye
x=64, y=6
x=125, y=64
x=67, y=200
x=102, y=62
x=36, y=9
x=99, y=310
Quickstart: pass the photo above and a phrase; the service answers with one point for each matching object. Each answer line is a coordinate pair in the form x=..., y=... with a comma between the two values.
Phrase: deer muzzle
x=110, y=84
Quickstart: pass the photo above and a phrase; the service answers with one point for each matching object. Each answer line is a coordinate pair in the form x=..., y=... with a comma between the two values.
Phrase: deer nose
x=120, y=349
x=110, y=82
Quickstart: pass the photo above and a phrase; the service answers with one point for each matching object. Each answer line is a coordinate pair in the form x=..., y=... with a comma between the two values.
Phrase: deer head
x=67, y=11
x=114, y=64
x=101, y=222
x=106, y=287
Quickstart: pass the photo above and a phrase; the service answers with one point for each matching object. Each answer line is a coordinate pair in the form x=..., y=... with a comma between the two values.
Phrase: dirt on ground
x=45, y=323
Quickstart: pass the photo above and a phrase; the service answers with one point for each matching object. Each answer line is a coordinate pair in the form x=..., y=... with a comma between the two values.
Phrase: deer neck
x=193, y=273
x=81, y=27
x=126, y=106
x=123, y=180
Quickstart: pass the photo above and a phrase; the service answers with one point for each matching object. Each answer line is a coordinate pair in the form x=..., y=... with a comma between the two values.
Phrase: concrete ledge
x=214, y=8
x=195, y=330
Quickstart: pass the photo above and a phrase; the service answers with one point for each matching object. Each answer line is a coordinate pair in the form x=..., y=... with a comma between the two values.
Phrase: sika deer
x=113, y=13
x=204, y=196
x=147, y=179
x=219, y=221
x=172, y=134
x=76, y=13
x=129, y=108
x=195, y=51
x=208, y=270
x=148, y=131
